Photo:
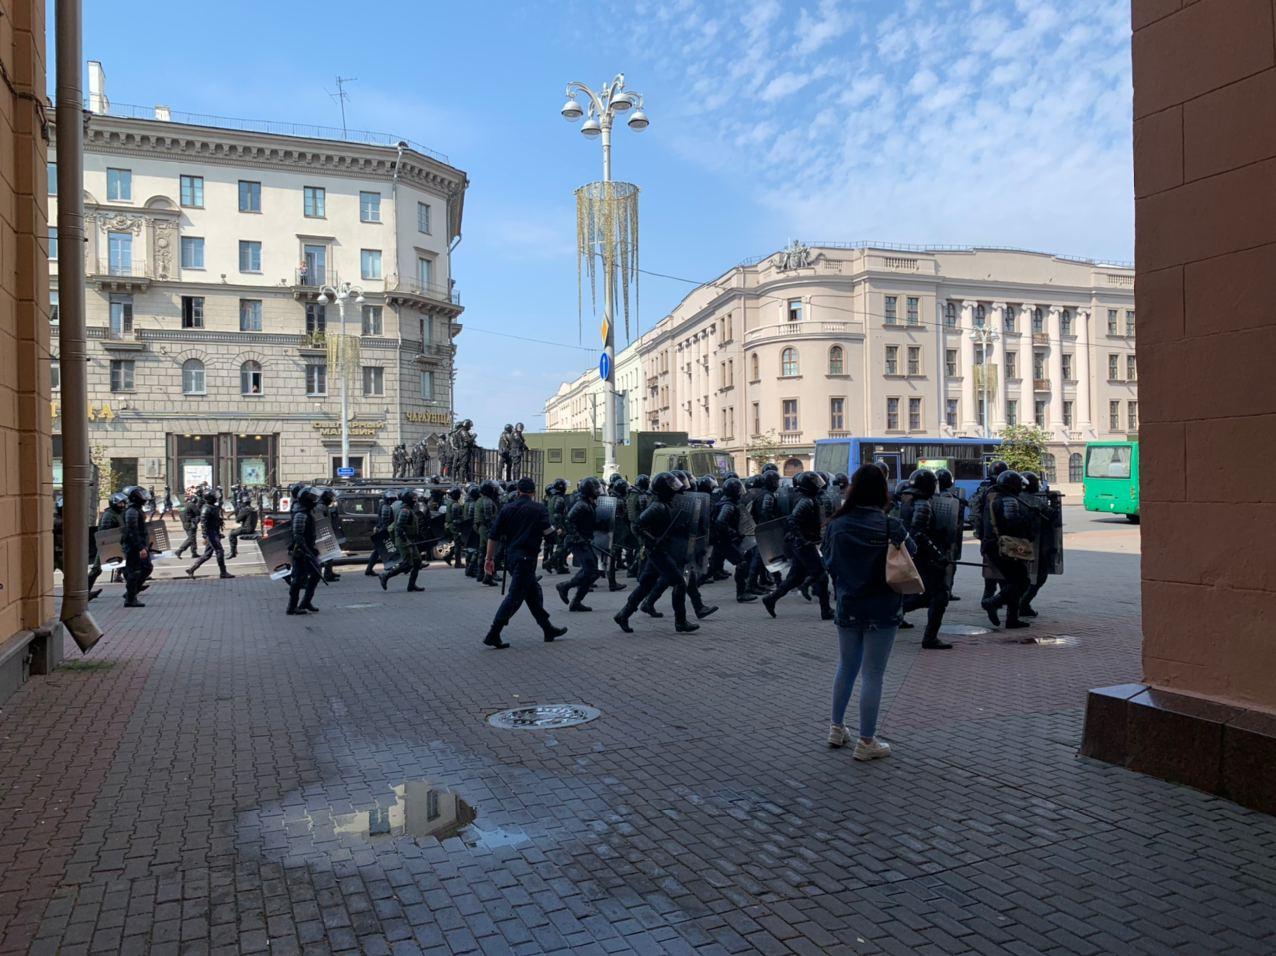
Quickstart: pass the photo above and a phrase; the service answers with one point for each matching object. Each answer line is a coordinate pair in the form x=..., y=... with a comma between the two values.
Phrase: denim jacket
x=855, y=555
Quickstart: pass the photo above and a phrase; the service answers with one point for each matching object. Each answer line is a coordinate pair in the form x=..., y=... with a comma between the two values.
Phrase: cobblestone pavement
x=219, y=777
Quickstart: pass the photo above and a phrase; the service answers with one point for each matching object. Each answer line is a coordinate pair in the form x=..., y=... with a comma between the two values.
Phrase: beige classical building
x=858, y=340
x=207, y=254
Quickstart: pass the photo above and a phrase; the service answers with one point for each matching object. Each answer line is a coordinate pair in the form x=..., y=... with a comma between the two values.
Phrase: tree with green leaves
x=763, y=449
x=1022, y=447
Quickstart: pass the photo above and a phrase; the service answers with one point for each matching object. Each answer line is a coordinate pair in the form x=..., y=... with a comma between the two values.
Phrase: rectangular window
x=372, y=320
x=53, y=242
x=316, y=318
x=730, y=373
x=249, y=195
x=795, y=310
x=950, y=412
x=1114, y=416
x=192, y=191
x=121, y=375
x=119, y=185
x=250, y=315
x=313, y=201
x=789, y=412
x=891, y=305
x=981, y=411
x=370, y=263
x=369, y=207
x=1067, y=414
x=950, y=363
x=422, y=217
x=192, y=311
x=1114, y=368
x=1131, y=369
x=914, y=414
x=579, y=456
x=53, y=179
x=1038, y=365
x=554, y=456
x=55, y=315
x=837, y=414
x=427, y=330
x=55, y=375
x=192, y=252
x=892, y=360
x=121, y=306
x=119, y=253
x=913, y=316
x=892, y=414
x=914, y=360
x=1012, y=364
x=1008, y=319
x=316, y=379
x=424, y=271
x=1038, y=322
x=249, y=255
x=427, y=386
x=1039, y=412
x=1065, y=362
x=1112, y=321
x=1132, y=412
x=757, y=418
x=1129, y=323
x=1012, y=412
x=373, y=380
x=1065, y=322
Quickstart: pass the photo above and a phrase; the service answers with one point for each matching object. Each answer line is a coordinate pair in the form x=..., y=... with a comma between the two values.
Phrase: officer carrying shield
x=580, y=540
x=656, y=527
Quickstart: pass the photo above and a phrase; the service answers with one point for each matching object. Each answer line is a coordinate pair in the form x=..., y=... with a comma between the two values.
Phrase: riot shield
x=771, y=545
x=157, y=534
x=948, y=512
x=1050, y=531
x=684, y=526
x=829, y=501
x=326, y=541
x=274, y=553
x=787, y=496
x=698, y=543
x=747, y=524
x=109, y=550
x=604, y=526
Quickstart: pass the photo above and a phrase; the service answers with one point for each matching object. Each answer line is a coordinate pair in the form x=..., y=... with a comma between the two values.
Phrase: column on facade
x=1084, y=423
x=1054, y=329
x=997, y=355
x=1027, y=397
x=969, y=409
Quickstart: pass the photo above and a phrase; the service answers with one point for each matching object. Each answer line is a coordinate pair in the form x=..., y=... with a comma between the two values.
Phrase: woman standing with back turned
x=867, y=609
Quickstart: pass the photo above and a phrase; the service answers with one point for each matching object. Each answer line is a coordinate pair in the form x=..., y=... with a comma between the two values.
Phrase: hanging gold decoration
x=343, y=356
x=607, y=230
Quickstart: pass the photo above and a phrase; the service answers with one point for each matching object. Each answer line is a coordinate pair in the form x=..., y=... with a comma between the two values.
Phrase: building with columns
x=209, y=246
x=837, y=340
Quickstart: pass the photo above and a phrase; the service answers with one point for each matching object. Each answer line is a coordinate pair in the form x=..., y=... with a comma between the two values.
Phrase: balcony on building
x=1041, y=384
x=1040, y=338
x=116, y=339
x=118, y=276
x=313, y=343
x=806, y=328
x=433, y=353
x=790, y=438
x=307, y=282
x=445, y=300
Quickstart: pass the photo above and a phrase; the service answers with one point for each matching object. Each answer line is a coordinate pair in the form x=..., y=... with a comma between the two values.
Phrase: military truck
x=575, y=454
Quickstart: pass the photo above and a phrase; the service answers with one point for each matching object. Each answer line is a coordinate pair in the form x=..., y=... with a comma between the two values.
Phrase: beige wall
x=26, y=506
x=1205, y=182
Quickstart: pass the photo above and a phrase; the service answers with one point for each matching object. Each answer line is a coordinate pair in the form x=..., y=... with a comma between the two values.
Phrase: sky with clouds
x=971, y=122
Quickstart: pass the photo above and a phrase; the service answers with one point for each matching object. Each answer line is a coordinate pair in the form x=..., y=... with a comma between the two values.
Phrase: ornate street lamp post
x=343, y=354
x=984, y=337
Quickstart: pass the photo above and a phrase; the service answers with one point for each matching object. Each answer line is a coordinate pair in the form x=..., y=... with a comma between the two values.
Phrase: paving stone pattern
x=183, y=796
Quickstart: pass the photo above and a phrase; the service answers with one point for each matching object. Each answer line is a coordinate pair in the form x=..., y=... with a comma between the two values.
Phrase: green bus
x=1112, y=478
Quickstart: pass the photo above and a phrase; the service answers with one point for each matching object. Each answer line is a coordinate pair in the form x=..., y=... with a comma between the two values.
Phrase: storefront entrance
x=223, y=460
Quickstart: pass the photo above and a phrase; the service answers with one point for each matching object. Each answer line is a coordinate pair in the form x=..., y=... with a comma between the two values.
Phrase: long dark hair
x=868, y=489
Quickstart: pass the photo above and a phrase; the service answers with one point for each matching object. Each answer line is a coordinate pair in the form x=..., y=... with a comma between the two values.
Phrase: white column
x=1054, y=328
x=1026, y=395
x=969, y=418
x=1084, y=423
x=997, y=354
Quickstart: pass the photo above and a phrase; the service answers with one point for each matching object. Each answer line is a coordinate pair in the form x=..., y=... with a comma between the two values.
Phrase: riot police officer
x=803, y=539
x=948, y=490
x=136, y=545
x=727, y=537
x=622, y=537
x=407, y=541
x=558, y=506
x=654, y=527
x=1045, y=557
x=932, y=557
x=211, y=523
x=978, y=502
x=112, y=517
x=485, y=509
x=304, y=550
x=765, y=507
x=381, y=531
x=580, y=540
x=246, y=515
x=1005, y=515
x=189, y=517
x=520, y=526
x=636, y=503
x=453, y=512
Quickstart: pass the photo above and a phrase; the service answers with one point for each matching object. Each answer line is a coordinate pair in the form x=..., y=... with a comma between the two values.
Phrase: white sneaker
x=839, y=736
x=872, y=750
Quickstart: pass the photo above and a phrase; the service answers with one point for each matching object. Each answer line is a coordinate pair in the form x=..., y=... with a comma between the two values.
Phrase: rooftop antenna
x=341, y=96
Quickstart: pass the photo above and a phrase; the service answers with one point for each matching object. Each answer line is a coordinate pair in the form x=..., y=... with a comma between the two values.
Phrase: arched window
x=950, y=316
x=836, y=365
x=789, y=362
x=192, y=377
x=1074, y=468
x=1065, y=322
x=793, y=466
x=753, y=367
x=980, y=316
x=250, y=378
x=1038, y=320
x=1048, y=470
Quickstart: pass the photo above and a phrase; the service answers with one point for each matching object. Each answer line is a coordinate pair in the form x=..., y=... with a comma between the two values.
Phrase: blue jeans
x=871, y=647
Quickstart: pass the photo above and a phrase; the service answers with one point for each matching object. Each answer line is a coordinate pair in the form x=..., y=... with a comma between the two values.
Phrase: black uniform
x=521, y=526
x=765, y=507
x=385, y=521
x=653, y=527
x=134, y=541
x=112, y=517
x=580, y=541
x=726, y=545
x=932, y=560
x=246, y=515
x=805, y=567
x=305, y=563
x=211, y=522
x=190, y=524
x=407, y=539
x=1005, y=514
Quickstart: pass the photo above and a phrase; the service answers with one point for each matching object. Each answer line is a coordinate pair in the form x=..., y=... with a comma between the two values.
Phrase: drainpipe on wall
x=451, y=247
x=77, y=467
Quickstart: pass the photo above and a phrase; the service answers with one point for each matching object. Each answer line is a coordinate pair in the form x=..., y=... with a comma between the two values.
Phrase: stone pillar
x=1054, y=329
x=997, y=354
x=1204, y=713
x=1027, y=396
x=969, y=419
x=1085, y=387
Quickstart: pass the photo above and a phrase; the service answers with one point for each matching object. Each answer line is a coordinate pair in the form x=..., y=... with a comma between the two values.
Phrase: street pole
x=345, y=397
x=609, y=346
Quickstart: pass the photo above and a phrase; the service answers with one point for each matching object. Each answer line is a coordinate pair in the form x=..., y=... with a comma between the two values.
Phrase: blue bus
x=966, y=458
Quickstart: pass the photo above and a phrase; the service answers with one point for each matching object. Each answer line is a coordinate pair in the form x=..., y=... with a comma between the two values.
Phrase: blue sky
x=999, y=122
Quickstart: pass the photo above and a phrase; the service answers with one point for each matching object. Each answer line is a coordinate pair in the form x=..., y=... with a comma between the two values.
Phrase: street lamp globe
x=571, y=110
x=622, y=101
x=592, y=127
x=638, y=120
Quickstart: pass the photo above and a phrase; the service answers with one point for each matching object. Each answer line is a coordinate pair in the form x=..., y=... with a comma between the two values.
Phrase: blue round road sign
x=604, y=367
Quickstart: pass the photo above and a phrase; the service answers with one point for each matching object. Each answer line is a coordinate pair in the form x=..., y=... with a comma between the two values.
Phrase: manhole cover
x=544, y=717
x=962, y=630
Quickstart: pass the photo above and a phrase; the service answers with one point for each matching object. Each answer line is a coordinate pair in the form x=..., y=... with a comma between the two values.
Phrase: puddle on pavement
x=424, y=810
x=962, y=630
x=1062, y=640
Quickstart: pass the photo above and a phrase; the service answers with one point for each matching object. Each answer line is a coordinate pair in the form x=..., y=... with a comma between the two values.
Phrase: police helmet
x=472, y=493
x=997, y=468
x=665, y=485
x=810, y=483
x=389, y=497
x=1010, y=482
x=924, y=481
x=770, y=479
x=308, y=497
x=210, y=497
x=296, y=488
x=901, y=487
x=489, y=489
x=753, y=481
x=590, y=486
x=729, y=475
x=840, y=480
x=733, y=489
x=771, y=466
x=615, y=477
x=884, y=468
x=118, y=501
x=408, y=496
x=327, y=495
x=559, y=487
x=1031, y=482
x=620, y=488
x=944, y=477
x=642, y=483
x=454, y=493
x=707, y=484
x=137, y=494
